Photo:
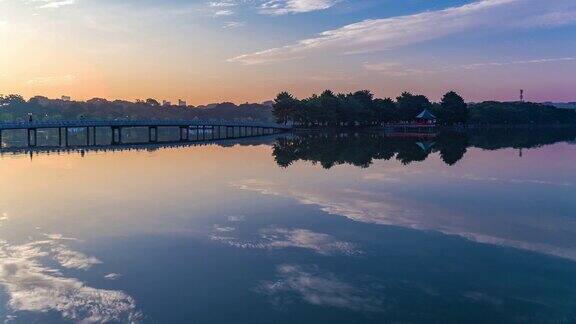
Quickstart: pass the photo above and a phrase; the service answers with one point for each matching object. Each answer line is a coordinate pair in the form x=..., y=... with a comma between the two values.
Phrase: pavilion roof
x=426, y=114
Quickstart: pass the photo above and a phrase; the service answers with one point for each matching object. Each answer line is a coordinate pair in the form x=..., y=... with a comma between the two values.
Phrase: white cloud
x=220, y=4
x=51, y=4
x=283, y=7
x=387, y=33
x=233, y=24
x=320, y=289
x=223, y=13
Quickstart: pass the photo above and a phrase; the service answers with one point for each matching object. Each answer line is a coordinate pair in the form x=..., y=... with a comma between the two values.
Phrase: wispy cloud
x=519, y=62
x=387, y=33
x=221, y=4
x=51, y=4
x=233, y=24
x=283, y=7
x=396, y=69
x=223, y=13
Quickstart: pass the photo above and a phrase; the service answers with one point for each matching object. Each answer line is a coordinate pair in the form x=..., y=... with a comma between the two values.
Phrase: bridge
x=205, y=130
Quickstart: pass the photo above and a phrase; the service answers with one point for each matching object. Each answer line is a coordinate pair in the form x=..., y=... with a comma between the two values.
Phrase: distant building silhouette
x=66, y=98
x=182, y=103
x=522, y=95
x=166, y=103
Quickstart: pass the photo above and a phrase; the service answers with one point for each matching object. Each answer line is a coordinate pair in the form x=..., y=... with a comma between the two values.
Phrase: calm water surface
x=318, y=229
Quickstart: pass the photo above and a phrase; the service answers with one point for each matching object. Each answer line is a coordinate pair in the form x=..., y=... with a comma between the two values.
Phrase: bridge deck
x=134, y=123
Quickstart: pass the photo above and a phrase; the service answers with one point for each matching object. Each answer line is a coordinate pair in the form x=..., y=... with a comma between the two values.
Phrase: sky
x=249, y=50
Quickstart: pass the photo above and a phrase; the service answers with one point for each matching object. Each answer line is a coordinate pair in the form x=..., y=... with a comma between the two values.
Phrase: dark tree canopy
x=284, y=104
x=152, y=102
x=453, y=109
x=361, y=108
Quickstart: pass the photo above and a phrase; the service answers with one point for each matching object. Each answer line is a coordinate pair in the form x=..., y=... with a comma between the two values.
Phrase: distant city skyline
x=203, y=52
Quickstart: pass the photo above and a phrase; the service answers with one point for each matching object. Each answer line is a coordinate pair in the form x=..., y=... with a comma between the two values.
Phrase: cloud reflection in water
x=386, y=209
x=318, y=288
x=281, y=238
x=34, y=287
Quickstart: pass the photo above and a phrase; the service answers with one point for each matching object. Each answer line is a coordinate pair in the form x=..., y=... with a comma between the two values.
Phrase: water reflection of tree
x=360, y=149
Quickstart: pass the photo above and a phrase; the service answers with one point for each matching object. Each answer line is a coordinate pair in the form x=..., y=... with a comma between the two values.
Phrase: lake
x=294, y=228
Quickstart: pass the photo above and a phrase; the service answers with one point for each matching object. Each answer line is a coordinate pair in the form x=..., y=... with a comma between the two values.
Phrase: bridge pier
x=184, y=133
x=152, y=134
x=196, y=133
x=94, y=135
x=116, y=135
x=32, y=137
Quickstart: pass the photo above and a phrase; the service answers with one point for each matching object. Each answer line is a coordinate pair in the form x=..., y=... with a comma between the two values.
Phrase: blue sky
x=248, y=50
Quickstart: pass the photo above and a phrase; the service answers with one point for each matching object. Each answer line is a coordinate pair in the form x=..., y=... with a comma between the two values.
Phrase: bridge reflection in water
x=188, y=131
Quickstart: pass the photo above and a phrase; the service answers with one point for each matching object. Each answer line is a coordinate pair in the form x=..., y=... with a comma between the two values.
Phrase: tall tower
x=522, y=95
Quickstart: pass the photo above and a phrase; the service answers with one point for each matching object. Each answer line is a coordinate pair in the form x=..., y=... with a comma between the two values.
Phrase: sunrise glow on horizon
x=249, y=50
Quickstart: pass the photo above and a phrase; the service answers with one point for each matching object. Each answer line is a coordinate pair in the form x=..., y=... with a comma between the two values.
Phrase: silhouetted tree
x=453, y=109
x=409, y=106
x=385, y=110
x=12, y=100
x=284, y=107
x=152, y=102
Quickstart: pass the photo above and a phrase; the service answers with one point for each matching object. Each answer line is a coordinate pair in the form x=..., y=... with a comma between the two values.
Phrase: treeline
x=15, y=108
x=361, y=149
x=361, y=108
x=524, y=113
